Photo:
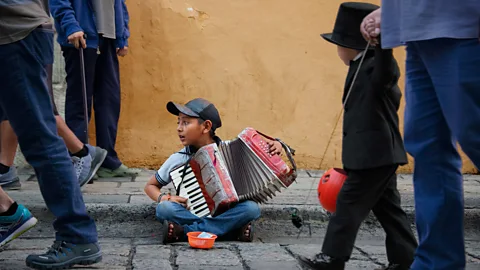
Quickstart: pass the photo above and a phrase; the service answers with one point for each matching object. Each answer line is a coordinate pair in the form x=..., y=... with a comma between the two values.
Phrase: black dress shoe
x=323, y=262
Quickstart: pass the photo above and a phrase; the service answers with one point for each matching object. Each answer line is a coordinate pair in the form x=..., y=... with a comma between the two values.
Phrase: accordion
x=217, y=176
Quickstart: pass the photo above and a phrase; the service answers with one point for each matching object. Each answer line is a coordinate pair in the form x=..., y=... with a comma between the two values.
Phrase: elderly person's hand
x=78, y=40
x=370, y=26
x=122, y=52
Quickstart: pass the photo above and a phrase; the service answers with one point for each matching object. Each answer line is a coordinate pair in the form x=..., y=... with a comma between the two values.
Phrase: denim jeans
x=25, y=101
x=442, y=108
x=235, y=218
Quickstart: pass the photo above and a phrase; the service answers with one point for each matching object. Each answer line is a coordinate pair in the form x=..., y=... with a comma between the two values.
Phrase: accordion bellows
x=236, y=170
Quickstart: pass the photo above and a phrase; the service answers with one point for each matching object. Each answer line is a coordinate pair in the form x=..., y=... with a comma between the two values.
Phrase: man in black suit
x=372, y=149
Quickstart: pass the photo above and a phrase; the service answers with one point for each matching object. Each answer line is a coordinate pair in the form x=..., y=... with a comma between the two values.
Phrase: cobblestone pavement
x=149, y=254
x=129, y=234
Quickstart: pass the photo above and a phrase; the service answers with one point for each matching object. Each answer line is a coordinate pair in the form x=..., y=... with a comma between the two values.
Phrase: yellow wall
x=262, y=63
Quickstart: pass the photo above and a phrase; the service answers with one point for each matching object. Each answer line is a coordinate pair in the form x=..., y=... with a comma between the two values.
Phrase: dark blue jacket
x=77, y=15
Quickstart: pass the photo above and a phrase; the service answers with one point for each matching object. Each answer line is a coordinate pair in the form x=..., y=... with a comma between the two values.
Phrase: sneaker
x=98, y=156
x=119, y=172
x=62, y=255
x=10, y=180
x=12, y=227
x=82, y=168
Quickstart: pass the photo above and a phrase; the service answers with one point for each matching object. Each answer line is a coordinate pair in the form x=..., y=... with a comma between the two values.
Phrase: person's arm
x=122, y=38
x=385, y=72
x=152, y=189
x=62, y=11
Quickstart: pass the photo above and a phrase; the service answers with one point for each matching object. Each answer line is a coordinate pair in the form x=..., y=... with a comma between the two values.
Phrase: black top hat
x=346, y=31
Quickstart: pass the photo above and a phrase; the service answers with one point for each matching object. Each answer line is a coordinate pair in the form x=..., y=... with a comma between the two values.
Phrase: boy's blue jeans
x=25, y=101
x=221, y=225
x=443, y=107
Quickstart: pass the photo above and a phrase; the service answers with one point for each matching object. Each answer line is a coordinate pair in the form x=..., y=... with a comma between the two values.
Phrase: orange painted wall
x=262, y=63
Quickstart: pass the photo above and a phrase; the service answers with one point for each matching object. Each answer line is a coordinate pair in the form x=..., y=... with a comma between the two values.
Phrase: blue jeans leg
x=442, y=97
x=174, y=212
x=25, y=100
x=220, y=225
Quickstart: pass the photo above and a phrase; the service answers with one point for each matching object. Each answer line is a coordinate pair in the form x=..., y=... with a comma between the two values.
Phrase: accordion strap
x=290, y=151
x=184, y=172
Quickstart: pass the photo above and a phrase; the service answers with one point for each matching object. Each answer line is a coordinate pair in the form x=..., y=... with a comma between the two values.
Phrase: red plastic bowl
x=202, y=243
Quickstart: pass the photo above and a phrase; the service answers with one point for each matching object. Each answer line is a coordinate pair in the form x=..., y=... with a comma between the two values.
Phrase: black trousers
x=365, y=190
x=103, y=90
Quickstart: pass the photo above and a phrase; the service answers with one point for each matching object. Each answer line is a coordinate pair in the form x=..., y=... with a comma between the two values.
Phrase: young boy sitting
x=372, y=149
x=197, y=122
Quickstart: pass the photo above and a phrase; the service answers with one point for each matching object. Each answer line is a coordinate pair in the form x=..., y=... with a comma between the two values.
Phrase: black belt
x=46, y=26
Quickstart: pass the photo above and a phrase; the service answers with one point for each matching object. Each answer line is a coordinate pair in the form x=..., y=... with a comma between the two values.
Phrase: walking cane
x=84, y=92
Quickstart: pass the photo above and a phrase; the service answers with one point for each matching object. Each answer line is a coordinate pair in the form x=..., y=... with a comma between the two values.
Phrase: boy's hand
x=77, y=39
x=370, y=26
x=180, y=200
x=275, y=147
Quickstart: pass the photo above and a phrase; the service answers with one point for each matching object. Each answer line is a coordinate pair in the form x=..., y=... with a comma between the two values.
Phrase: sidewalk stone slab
x=142, y=179
x=35, y=197
x=310, y=250
x=263, y=265
x=267, y=256
x=140, y=199
x=304, y=183
x=110, y=261
x=113, y=179
x=210, y=267
x=117, y=247
x=213, y=257
x=151, y=264
x=264, y=252
x=19, y=255
x=315, y=174
x=152, y=257
x=302, y=173
x=377, y=253
x=295, y=196
x=104, y=188
x=360, y=265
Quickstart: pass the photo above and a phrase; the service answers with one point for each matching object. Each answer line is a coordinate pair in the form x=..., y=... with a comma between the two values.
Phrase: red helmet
x=329, y=186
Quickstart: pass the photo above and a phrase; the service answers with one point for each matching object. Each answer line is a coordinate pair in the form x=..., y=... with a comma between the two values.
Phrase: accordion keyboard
x=190, y=189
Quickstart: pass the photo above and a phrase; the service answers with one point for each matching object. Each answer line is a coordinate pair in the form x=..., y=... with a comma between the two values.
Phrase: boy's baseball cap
x=200, y=108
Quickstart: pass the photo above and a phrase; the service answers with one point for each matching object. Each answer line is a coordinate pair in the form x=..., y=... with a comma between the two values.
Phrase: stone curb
x=146, y=212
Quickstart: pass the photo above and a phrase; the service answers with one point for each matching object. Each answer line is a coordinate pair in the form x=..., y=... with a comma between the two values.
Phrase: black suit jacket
x=371, y=136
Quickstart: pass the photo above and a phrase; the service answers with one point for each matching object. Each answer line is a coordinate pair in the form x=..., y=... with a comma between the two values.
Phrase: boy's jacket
x=371, y=136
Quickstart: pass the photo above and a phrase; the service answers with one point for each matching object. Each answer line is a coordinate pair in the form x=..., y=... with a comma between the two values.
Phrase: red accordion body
x=220, y=169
